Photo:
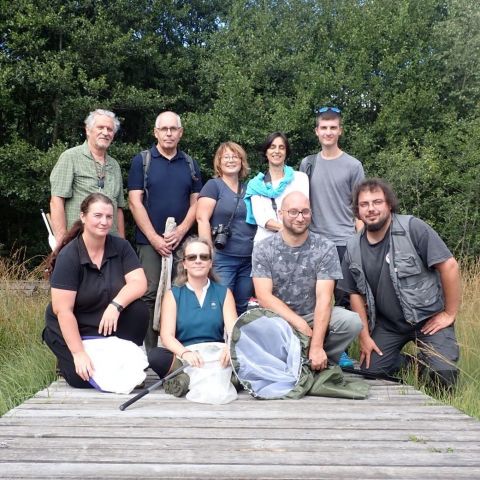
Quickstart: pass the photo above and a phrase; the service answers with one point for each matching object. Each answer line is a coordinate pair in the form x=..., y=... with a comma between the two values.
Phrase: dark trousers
x=342, y=299
x=132, y=325
x=161, y=360
x=438, y=353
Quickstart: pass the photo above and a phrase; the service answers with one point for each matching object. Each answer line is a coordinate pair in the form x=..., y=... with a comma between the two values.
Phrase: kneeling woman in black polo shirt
x=96, y=283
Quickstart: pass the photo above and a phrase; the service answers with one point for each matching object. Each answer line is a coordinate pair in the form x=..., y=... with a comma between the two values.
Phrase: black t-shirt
x=95, y=287
x=375, y=259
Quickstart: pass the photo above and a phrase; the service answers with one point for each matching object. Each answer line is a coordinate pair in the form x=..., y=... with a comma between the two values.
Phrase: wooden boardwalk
x=396, y=433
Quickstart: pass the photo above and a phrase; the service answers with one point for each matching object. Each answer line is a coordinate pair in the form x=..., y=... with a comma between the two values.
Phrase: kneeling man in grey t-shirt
x=294, y=273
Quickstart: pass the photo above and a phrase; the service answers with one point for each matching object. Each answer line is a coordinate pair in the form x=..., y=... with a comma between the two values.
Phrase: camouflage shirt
x=295, y=270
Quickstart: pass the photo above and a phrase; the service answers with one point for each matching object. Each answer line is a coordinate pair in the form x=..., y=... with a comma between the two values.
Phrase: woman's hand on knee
x=109, y=321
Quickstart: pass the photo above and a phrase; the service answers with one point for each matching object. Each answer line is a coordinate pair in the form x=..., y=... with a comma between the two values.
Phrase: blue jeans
x=234, y=273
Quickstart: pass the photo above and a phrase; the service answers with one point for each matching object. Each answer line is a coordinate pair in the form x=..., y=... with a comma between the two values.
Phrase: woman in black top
x=96, y=283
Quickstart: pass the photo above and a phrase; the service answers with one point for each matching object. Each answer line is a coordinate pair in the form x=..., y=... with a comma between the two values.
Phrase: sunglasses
x=328, y=109
x=204, y=257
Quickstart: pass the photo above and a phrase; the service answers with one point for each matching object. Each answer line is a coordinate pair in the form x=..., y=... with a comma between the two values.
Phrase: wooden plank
x=254, y=455
x=235, y=431
x=396, y=433
x=141, y=447
x=236, y=471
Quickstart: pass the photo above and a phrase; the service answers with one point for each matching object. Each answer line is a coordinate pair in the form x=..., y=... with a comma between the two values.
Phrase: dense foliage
x=405, y=73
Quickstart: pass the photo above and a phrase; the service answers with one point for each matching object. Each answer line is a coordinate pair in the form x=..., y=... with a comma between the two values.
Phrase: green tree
x=405, y=74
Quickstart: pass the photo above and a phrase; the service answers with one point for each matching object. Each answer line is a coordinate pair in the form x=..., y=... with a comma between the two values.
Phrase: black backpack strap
x=146, y=159
x=191, y=165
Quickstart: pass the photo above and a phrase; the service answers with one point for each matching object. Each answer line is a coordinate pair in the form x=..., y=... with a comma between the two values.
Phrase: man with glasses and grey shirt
x=294, y=273
x=163, y=182
x=87, y=169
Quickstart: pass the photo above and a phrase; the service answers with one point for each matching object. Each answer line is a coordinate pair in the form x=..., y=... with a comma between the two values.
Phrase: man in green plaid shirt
x=87, y=169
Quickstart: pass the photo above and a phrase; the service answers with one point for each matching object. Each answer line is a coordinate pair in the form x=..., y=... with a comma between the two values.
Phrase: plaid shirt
x=75, y=176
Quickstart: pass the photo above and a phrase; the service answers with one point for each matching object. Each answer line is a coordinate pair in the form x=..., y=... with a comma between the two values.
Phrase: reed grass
x=26, y=365
x=466, y=395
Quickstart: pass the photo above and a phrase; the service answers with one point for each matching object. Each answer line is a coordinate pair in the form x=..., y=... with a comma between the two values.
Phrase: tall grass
x=467, y=395
x=26, y=365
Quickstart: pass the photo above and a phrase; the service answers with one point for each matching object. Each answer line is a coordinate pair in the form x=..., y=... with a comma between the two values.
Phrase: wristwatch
x=117, y=306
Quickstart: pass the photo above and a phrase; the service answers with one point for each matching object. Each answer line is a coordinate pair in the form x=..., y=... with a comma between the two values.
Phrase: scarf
x=257, y=186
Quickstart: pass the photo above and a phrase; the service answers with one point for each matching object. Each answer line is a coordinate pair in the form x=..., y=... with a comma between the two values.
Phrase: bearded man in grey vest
x=405, y=284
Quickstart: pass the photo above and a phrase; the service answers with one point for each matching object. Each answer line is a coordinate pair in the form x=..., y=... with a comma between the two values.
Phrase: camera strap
x=240, y=194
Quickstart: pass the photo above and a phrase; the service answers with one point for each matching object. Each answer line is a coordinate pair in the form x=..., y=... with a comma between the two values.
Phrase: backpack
x=146, y=160
x=309, y=166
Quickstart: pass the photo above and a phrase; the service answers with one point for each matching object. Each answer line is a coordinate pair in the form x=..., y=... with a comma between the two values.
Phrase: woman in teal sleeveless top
x=196, y=310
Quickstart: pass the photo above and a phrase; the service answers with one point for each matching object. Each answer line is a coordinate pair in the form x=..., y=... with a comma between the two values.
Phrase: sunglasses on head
x=328, y=109
x=204, y=257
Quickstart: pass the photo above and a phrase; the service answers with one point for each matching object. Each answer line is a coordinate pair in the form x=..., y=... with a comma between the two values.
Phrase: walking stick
x=51, y=237
x=372, y=376
x=363, y=373
x=153, y=387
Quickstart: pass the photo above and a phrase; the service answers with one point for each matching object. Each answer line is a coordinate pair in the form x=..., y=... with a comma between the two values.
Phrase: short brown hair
x=328, y=115
x=238, y=150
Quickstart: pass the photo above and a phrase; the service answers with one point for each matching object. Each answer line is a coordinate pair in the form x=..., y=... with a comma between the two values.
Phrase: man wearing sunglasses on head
x=333, y=175
x=294, y=273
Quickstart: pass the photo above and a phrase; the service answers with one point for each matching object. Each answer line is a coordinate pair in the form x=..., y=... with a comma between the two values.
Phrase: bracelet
x=184, y=352
x=117, y=306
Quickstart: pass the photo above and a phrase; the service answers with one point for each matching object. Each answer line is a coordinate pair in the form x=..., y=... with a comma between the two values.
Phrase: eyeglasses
x=328, y=109
x=165, y=130
x=376, y=203
x=294, y=213
x=204, y=257
x=230, y=157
